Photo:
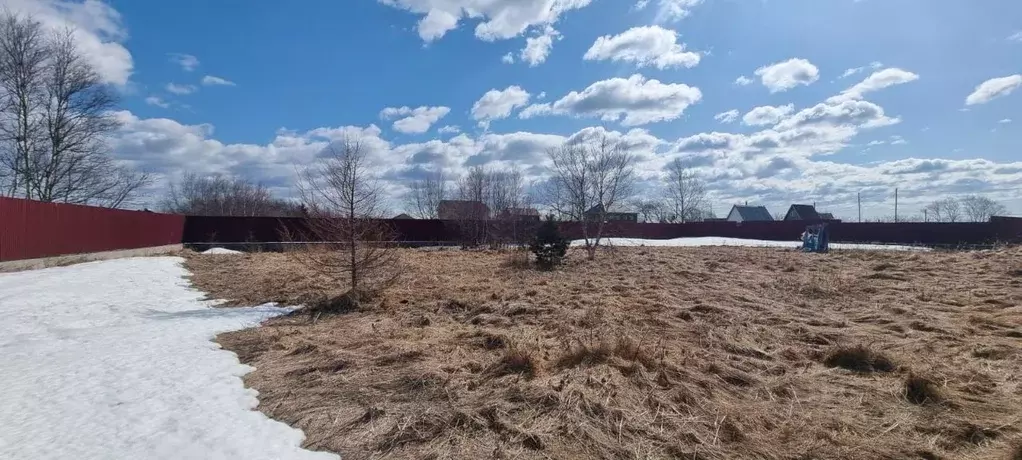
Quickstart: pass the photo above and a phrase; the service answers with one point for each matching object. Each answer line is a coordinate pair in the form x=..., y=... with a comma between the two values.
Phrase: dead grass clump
x=345, y=303
x=592, y=352
x=516, y=359
x=858, y=359
x=921, y=390
x=517, y=260
x=883, y=266
x=993, y=353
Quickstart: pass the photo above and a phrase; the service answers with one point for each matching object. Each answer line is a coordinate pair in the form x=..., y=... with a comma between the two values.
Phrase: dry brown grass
x=712, y=353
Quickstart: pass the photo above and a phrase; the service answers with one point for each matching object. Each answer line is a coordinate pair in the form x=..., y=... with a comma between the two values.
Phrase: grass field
x=697, y=353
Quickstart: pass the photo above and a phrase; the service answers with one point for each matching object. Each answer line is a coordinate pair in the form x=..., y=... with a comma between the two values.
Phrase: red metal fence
x=32, y=229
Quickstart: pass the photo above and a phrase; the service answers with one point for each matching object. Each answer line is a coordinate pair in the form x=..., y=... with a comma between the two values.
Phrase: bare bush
x=55, y=115
x=594, y=175
x=345, y=205
x=225, y=196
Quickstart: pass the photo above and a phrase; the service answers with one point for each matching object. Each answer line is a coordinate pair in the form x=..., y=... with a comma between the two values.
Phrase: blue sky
x=294, y=77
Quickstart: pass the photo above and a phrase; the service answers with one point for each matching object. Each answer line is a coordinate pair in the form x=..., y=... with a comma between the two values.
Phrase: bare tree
x=224, y=196
x=22, y=73
x=506, y=191
x=946, y=210
x=424, y=195
x=980, y=208
x=686, y=192
x=54, y=120
x=475, y=186
x=595, y=176
x=653, y=210
x=346, y=204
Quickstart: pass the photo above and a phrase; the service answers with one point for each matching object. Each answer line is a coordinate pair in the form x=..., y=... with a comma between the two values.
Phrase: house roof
x=599, y=209
x=403, y=216
x=753, y=213
x=462, y=209
x=826, y=216
x=804, y=212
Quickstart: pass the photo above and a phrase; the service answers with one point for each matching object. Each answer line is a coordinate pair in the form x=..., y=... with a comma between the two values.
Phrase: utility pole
x=858, y=200
x=895, y=205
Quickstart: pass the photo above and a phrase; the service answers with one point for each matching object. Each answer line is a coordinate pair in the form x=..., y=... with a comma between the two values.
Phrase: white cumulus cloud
x=644, y=46
x=727, y=117
x=538, y=48
x=634, y=101
x=181, y=89
x=414, y=121
x=210, y=80
x=782, y=76
x=497, y=19
x=742, y=80
x=993, y=89
x=877, y=81
x=157, y=101
x=97, y=28
x=767, y=115
x=497, y=104
x=675, y=10
x=187, y=62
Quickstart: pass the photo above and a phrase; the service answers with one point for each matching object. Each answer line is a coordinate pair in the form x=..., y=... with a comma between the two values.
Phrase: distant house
x=526, y=214
x=403, y=216
x=462, y=210
x=749, y=214
x=802, y=212
x=594, y=213
x=826, y=216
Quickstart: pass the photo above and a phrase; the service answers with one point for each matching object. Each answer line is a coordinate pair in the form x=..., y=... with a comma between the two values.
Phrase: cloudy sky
x=770, y=101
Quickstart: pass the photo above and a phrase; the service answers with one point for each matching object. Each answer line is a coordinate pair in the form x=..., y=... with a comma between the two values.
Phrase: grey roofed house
x=403, y=216
x=826, y=216
x=594, y=214
x=802, y=212
x=741, y=213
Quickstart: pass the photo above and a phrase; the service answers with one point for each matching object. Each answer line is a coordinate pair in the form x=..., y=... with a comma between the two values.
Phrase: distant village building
x=827, y=216
x=403, y=216
x=802, y=212
x=594, y=213
x=526, y=214
x=741, y=213
x=462, y=210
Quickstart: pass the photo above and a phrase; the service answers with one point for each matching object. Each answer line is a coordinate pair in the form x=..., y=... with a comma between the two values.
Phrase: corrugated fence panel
x=1000, y=229
x=32, y=229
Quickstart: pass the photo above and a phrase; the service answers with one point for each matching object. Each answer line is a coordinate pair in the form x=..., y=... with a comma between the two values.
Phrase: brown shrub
x=921, y=390
x=858, y=359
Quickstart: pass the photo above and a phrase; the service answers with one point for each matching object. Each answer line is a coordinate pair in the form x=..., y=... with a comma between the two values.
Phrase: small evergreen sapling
x=548, y=245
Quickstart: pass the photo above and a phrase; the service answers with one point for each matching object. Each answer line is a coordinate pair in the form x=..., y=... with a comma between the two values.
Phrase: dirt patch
x=710, y=353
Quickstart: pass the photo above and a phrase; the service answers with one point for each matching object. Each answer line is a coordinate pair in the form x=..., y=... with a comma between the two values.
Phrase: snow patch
x=114, y=359
x=721, y=241
x=220, y=251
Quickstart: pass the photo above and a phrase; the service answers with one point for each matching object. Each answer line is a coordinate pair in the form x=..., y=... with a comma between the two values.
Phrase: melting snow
x=113, y=359
x=220, y=251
